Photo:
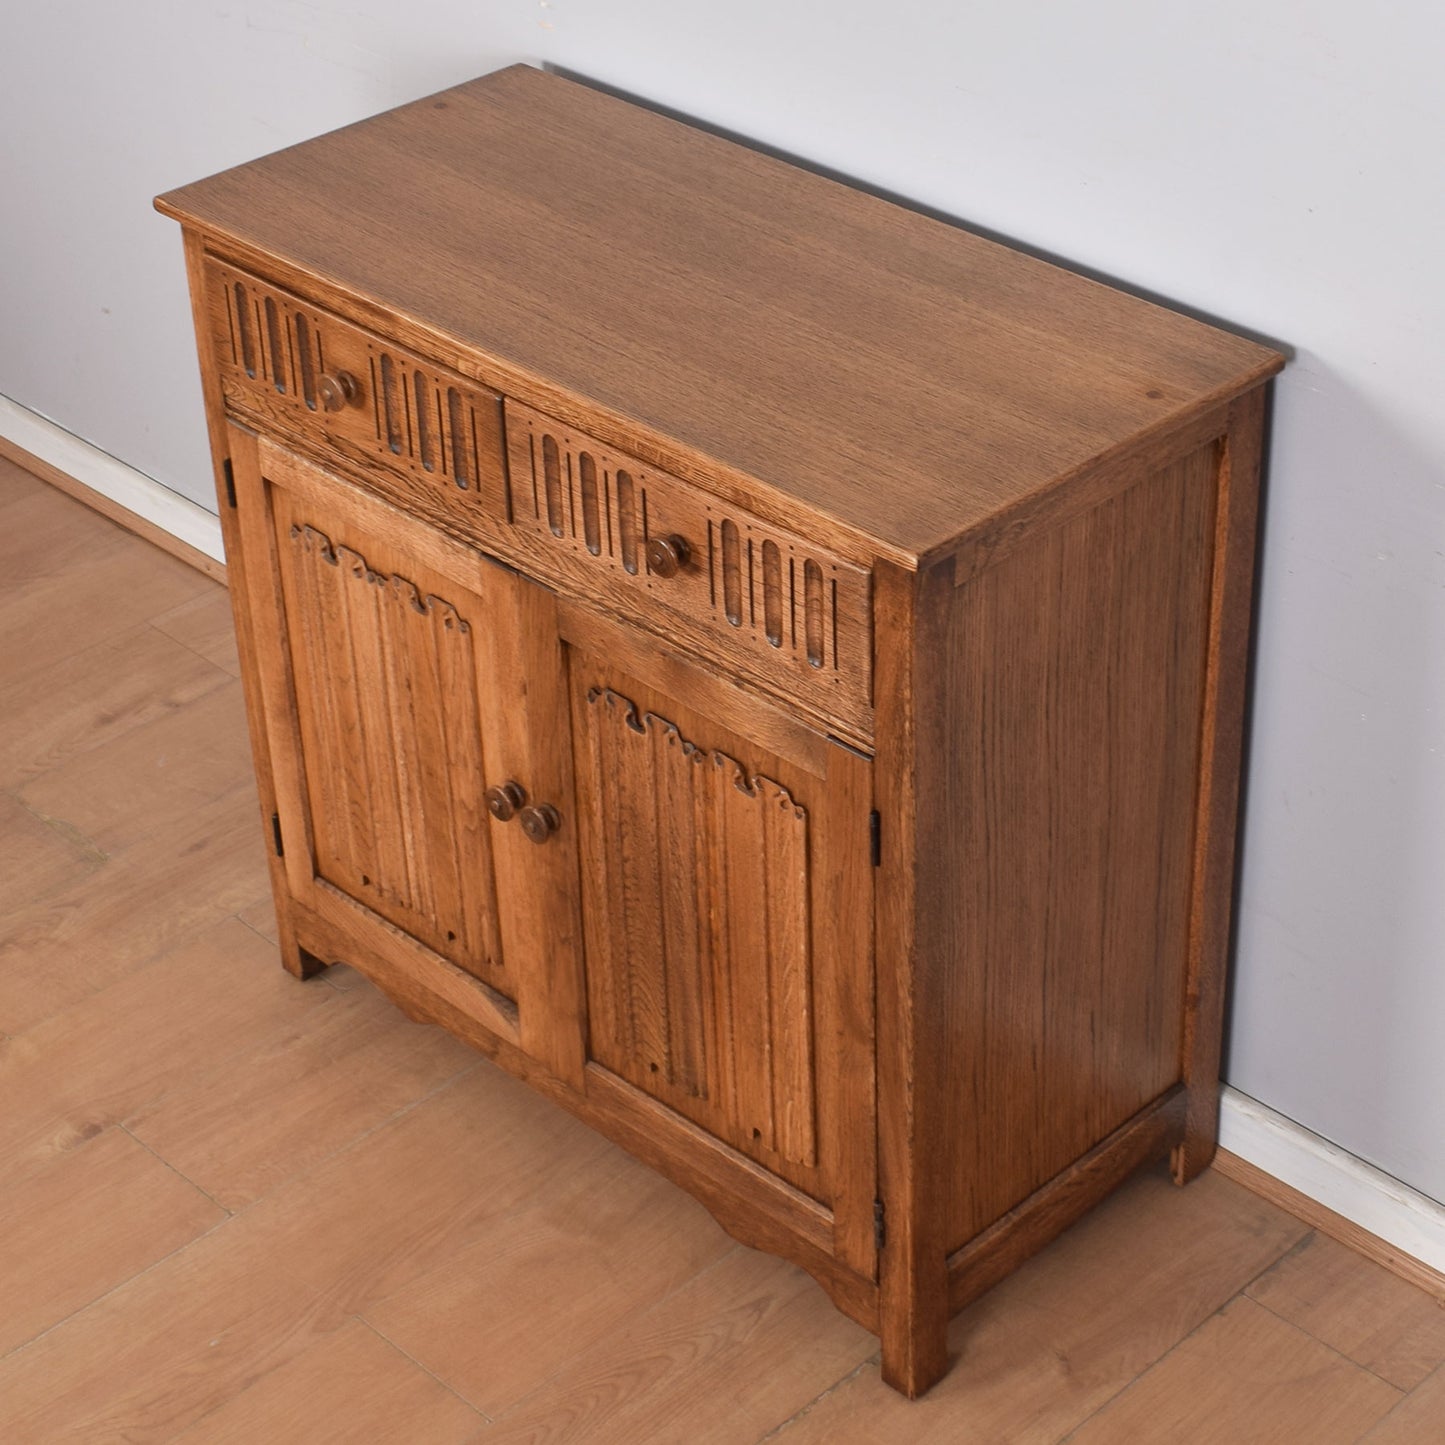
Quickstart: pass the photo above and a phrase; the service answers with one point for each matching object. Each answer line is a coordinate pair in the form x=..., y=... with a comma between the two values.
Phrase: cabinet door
x=403, y=675
x=727, y=916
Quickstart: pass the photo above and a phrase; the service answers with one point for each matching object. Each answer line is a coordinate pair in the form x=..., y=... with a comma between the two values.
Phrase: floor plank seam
x=230, y=1215
x=160, y=1158
x=818, y=1399
x=210, y=662
x=386, y=1339
x=99, y=1299
x=265, y=937
x=1159, y=1359
x=1437, y=1373
x=1325, y=1344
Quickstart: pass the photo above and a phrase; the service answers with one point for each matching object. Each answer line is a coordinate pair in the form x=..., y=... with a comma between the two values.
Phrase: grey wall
x=1273, y=165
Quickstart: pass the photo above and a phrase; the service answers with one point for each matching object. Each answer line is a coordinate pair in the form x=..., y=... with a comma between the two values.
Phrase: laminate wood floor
x=234, y=1207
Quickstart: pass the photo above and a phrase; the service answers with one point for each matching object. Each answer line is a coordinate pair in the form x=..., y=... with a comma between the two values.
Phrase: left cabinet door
x=403, y=675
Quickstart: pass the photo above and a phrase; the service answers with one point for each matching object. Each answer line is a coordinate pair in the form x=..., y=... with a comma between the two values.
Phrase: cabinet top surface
x=902, y=377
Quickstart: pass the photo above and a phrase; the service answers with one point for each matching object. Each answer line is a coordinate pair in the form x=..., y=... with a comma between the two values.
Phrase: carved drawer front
x=741, y=591
x=298, y=369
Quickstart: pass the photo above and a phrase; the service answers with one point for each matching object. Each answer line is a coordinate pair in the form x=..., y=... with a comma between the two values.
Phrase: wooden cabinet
x=765, y=667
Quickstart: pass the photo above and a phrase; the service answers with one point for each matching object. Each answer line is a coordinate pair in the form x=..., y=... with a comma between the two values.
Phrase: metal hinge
x=875, y=836
x=880, y=1230
x=276, y=834
x=230, y=482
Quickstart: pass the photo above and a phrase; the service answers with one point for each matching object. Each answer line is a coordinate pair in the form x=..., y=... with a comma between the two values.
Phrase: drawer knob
x=540, y=821
x=667, y=556
x=503, y=801
x=338, y=389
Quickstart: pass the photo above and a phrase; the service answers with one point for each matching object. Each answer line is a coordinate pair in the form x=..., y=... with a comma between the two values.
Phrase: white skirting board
x=1412, y=1222
x=111, y=478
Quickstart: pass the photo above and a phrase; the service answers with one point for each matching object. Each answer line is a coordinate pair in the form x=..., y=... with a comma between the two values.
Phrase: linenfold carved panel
x=385, y=679
x=701, y=990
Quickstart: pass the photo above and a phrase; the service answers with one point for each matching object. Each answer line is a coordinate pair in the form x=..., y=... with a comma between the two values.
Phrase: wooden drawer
x=751, y=596
x=429, y=437
x=748, y=595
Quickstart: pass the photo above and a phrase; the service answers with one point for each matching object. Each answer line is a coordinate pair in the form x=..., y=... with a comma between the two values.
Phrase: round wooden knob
x=338, y=389
x=667, y=556
x=539, y=822
x=503, y=801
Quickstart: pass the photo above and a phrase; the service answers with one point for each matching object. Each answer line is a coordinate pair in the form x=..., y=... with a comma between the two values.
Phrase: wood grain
x=249, y=650
x=76, y=583
x=94, y=696
x=118, y=1209
x=206, y=626
x=1213, y=1389
x=850, y=608
x=1416, y=1419
x=190, y=878
x=349, y=1387
x=989, y=1256
x=912, y=1265
x=241, y=1124
x=110, y=1055
x=818, y=653
x=191, y=1333
x=661, y=1377
x=706, y=868
x=496, y=1323
x=13, y=458
x=534, y=1268
x=524, y=703
x=17, y=481
x=39, y=854
x=1406, y=1266
x=1070, y=856
x=1358, y=1308
x=152, y=778
x=1015, y=370
x=1221, y=753
x=400, y=416
x=384, y=665
x=1059, y=1338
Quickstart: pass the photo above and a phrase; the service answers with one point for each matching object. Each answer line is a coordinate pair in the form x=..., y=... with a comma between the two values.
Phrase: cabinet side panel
x=1072, y=697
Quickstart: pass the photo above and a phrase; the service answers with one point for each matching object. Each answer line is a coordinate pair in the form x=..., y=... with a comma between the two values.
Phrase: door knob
x=540, y=821
x=339, y=389
x=667, y=556
x=504, y=800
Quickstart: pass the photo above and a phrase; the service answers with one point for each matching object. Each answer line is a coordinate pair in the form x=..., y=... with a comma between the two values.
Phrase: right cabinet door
x=728, y=917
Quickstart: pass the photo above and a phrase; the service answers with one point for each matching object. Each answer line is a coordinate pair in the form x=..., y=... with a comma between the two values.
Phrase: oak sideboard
x=763, y=665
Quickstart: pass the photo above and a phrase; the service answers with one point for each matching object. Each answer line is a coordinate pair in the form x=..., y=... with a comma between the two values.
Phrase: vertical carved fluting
x=386, y=688
x=273, y=348
x=701, y=993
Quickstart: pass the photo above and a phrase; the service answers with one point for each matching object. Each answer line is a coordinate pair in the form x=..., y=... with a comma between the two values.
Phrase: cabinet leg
x=307, y=965
x=913, y=1324
x=295, y=959
x=1195, y=1152
x=915, y=1352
